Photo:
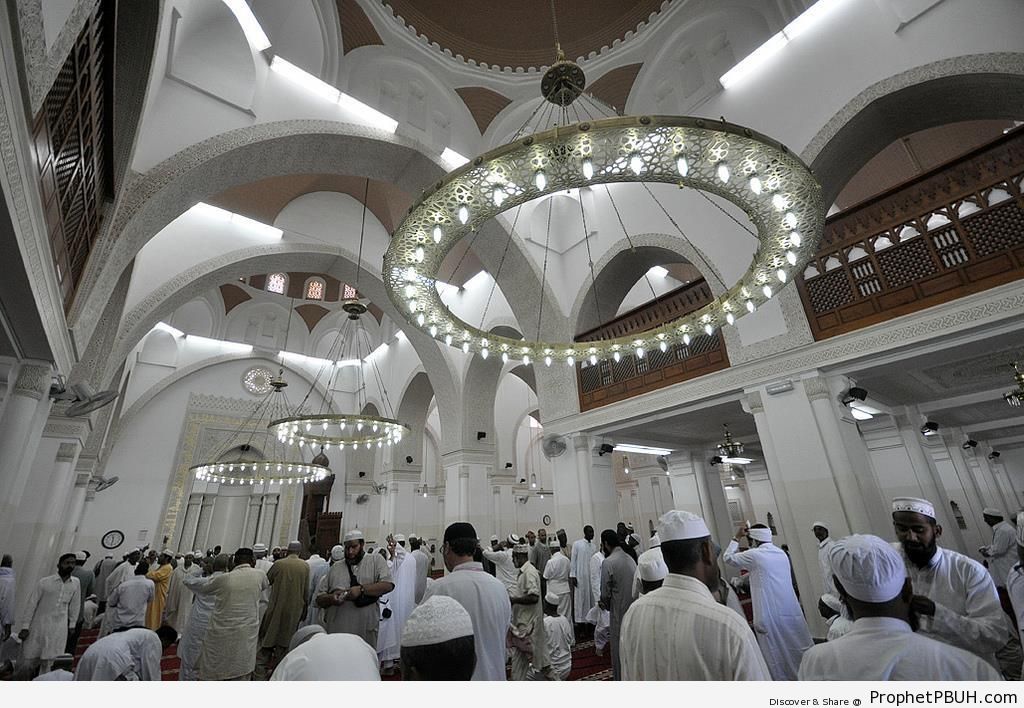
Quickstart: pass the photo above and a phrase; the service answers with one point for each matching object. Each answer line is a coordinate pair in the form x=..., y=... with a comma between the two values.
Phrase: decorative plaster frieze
x=66, y=452
x=816, y=387
x=33, y=381
x=77, y=429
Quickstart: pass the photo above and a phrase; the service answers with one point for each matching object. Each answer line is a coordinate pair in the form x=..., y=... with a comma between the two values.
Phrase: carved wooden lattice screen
x=956, y=230
x=610, y=381
x=72, y=143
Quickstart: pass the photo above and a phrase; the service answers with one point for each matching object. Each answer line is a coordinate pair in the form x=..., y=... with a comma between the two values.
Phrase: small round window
x=257, y=380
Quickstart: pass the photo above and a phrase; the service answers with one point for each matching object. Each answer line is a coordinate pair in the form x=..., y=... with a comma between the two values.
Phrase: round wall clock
x=112, y=539
x=546, y=520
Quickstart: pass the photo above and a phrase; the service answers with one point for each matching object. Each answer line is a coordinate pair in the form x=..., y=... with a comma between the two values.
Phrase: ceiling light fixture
x=929, y=429
x=642, y=449
x=731, y=451
x=1016, y=397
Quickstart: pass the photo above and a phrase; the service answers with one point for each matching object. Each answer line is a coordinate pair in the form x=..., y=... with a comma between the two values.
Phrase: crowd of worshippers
x=903, y=610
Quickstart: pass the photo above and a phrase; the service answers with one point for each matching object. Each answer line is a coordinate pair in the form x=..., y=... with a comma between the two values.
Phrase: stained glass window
x=349, y=293
x=315, y=289
x=276, y=282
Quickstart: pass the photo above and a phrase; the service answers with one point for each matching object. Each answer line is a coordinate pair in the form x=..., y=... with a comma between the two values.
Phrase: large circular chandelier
x=773, y=187
x=280, y=464
x=340, y=430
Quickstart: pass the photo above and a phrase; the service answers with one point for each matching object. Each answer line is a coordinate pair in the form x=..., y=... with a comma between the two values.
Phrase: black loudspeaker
x=408, y=459
x=480, y=435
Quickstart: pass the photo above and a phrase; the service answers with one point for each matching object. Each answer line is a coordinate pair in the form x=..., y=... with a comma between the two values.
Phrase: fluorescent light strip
x=167, y=328
x=737, y=460
x=800, y=25
x=325, y=90
x=254, y=34
x=303, y=359
x=658, y=271
x=222, y=343
x=453, y=159
x=348, y=362
x=642, y=449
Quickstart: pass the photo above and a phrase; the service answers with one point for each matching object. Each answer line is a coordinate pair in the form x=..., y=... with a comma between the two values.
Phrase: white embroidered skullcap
x=869, y=568
x=354, y=535
x=633, y=539
x=494, y=537
x=513, y=539
x=197, y=554
x=337, y=553
x=655, y=540
x=330, y=657
x=919, y=506
x=554, y=543
x=80, y=556
x=304, y=634
x=521, y=548
x=551, y=598
x=167, y=552
x=992, y=511
x=762, y=535
x=259, y=548
x=413, y=537
x=399, y=537
x=819, y=524
x=438, y=619
x=679, y=525
x=652, y=567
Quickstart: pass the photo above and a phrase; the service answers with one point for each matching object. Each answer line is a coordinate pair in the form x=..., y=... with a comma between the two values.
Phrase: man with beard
x=954, y=596
x=348, y=593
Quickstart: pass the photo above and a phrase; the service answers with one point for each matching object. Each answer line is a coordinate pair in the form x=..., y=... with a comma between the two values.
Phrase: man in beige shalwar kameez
x=526, y=634
x=357, y=576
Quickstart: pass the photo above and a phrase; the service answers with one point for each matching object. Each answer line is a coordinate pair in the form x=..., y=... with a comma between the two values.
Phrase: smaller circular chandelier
x=1016, y=397
x=280, y=463
x=340, y=430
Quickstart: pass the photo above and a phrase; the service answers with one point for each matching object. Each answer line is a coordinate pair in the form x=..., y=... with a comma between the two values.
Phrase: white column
x=205, y=519
x=267, y=520
x=252, y=518
x=187, y=539
x=76, y=507
x=21, y=426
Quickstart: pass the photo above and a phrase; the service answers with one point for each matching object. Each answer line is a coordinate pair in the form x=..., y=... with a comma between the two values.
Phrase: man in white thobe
x=954, y=596
x=102, y=571
x=178, y=609
x=556, y=575
x=127, y=604
x=61, y=670
x=779, y=623
x=651, y=555
x=202, y=607
x=484, y=597
x=680, y=632
x=1001, y=554
x=422, y=558
x=401, y=601
x=318, y=567
x=505, y=569
x=259, y=550
x=132, y=655
x=123, y=571
x=601, y=619
x=579, y=575
x=50, y=614
x=871, y=577
x=834, y=612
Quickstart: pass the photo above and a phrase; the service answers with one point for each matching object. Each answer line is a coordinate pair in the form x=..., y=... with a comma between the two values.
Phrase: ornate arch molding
x=316, y=257
x=961, y=88
x=619, y=269
x=256, y=152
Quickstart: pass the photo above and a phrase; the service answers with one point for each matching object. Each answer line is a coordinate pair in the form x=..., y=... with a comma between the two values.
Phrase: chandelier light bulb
x=541, y=180
x=438, y=234
x=433, y=330
x=639, y=352
x=418, y=254
x=588, y=168
x=767, y=290
x=730, y=318
x=504, y=357
x=413, y=306
x=781, y=274
x=593, y=359
x=686, y=340
x=499, y=196
x=779, y=202
x=463, y=213
x=359, y=427
x=663, y=346
x=410, y=290
x=789, y=220
x=794, y=239
x=723, y=172
x=708, y=329
x=547, y=361
x=410, y=273
x=682, y=166
x=791, y=257
x=755, y=184
x=616, y=356
x=526, y=359
x=420, y=319
x=374, y=427
x=465, y=347
x=484, y=353
x=636, y=165
x=448, y=339
x=309, y=426
x=570, y=360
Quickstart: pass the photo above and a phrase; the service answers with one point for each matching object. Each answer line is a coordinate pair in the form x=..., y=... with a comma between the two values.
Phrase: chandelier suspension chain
x=362, y=233
x=734, y=219
x=494, y=280
x=544, y=275
x=632, y=246
x=554, y=27
x=682, y=234
x=590, y=259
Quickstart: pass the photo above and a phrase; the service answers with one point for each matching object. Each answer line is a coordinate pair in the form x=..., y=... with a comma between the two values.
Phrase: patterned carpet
x=586, y=665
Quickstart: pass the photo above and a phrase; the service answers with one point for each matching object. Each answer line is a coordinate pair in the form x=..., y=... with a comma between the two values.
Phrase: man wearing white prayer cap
x=437, y=642
x=504, y=569
x=262, y=562
x=829, y=606
x=527, y=630
x=348, y=593
x=1001, y=554
x=871, y=578
x=652, y=572
x=652, y=554
x=556, y=575
x=954, y=596
x=329, y=657
x=680, y=633
x=303, y=635
x=559, y=636
x=779, y=623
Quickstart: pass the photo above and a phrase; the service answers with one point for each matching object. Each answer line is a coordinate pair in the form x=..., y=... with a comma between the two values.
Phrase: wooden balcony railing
x=610, y=381
x=956, y=230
